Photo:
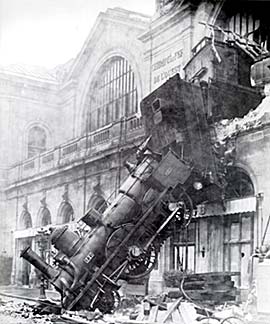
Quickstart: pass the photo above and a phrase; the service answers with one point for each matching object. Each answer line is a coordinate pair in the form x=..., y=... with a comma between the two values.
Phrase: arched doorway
x=25, y=222
x=43, y=249
x=44, y=217
x=239, y=226
x=239, y=184
x=224, y=236
x=66, y=213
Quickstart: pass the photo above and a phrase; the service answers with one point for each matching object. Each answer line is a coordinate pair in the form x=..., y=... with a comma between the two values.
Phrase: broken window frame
x=184, y=248
x=237, y=243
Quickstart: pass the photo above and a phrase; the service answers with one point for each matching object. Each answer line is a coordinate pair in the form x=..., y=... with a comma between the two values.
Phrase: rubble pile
x=226, y=129
x=158, y=309
x=211, y=288
x=179, y=311
x=24, y=311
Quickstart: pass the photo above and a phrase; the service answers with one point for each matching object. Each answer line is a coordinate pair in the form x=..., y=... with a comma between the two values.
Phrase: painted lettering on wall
x=167, y=60
x=167, y=66
x=165, y=75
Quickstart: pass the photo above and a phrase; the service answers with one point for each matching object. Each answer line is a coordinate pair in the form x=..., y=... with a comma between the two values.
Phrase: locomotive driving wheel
x=138, y=261
x=108, y=302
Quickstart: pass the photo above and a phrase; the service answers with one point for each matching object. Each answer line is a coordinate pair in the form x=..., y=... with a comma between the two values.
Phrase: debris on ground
x=25, y=310
x=83, y=317
x=210, y=288
x=149, y=310
x=159, y=309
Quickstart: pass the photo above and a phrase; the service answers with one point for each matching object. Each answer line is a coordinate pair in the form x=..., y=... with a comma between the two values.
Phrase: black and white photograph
x=135, y=162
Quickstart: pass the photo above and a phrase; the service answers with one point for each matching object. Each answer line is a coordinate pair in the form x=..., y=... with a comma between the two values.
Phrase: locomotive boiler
x=176, y=168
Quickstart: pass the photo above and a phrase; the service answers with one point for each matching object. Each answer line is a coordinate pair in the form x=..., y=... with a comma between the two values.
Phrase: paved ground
x=25, y=292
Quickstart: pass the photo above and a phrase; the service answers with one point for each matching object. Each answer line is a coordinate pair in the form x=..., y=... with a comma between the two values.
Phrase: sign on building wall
x=167, y=65
x=169, y=51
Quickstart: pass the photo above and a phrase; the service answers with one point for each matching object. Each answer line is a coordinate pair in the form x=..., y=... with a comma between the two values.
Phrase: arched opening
x=25, y=220
x=45, y=217
x=66, y=213
x=97, y=202
x=239, y=184
x=238, y=226
x=36, y=141
x=24, y=266
x=248, y=19
x=113, y=94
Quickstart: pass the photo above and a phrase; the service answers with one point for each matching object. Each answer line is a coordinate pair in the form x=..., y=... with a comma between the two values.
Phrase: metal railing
x=76, y=149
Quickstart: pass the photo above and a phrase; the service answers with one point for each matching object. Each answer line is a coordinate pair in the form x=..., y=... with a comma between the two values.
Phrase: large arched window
x=37, y=141
x=113, y=94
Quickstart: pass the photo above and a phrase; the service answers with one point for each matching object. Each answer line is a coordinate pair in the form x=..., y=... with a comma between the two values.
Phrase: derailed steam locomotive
x=123, y=241
x=176, y=168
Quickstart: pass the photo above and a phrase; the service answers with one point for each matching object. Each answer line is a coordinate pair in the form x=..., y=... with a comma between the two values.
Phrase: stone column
x=18, y=261
x=14, y=261
x=33, y=274
x=258, y=221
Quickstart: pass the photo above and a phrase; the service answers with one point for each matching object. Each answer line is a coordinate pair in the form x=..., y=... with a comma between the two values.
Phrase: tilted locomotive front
x=174, y=164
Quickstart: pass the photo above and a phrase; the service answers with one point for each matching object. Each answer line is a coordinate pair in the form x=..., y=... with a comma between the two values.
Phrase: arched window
x=37, y=141
x=25, y=220
x=66, y=213
x=239, y=184
x=98, y=202
x=248, y=19
x=113, y=94
x=45, y=217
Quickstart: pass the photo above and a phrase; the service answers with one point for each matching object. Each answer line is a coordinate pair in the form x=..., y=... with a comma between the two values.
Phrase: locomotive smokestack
x=33, y=258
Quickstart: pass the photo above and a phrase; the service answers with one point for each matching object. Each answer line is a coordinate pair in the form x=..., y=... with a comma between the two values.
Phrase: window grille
x=252, y=23
x=184, y=248
x=114, y=94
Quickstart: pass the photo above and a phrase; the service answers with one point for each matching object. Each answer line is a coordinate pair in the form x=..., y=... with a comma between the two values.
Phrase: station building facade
x=66, y=132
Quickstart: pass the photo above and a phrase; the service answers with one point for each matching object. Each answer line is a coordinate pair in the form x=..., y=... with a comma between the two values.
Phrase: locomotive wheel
x=139, y=262
x=108, y=302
